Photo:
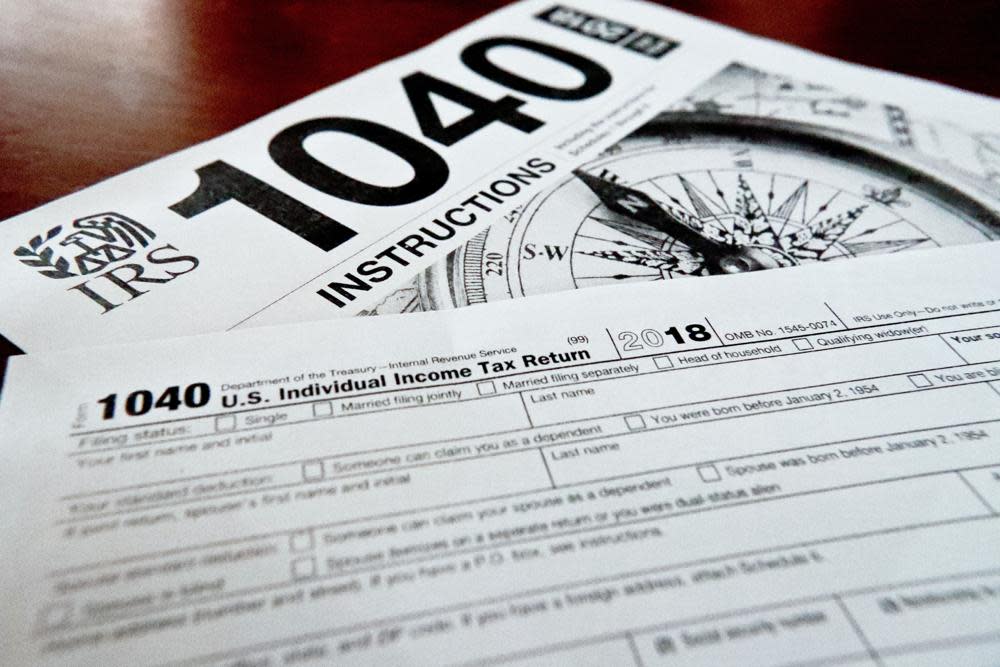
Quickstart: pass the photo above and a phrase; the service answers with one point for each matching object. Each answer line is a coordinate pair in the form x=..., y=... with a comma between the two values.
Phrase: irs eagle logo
x=111, y=252
x=101, y=240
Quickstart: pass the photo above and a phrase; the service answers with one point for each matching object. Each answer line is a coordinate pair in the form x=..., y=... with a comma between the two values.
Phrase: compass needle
x=636, y=205
x=645, y=235
x=787, y=207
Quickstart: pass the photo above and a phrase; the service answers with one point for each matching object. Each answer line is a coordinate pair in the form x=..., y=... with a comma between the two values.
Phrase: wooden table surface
x=91, y=89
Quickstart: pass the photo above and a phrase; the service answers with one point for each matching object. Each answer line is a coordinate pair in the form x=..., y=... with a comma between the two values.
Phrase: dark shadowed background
x=93, y=88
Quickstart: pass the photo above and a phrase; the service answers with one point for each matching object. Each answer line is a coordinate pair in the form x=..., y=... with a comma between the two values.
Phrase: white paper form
x=502, y=142
x=693, y=473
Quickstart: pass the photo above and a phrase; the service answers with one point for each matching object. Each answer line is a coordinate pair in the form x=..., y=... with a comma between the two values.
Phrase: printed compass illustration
x=715, y=237
x=692, y=194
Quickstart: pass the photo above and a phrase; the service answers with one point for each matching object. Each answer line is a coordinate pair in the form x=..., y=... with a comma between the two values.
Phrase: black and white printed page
x=780, y=467
x=485, y=167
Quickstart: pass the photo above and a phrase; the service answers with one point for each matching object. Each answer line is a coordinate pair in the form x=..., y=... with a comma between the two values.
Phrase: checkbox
x=323, y=409
x=920, y=380
x=56, y=615
x=663, y=362
x=709, y=473
x=303, y=568
x=225, y=423
x=635, y=422
x=312, y=471
x=301, y=541
x=802, y=344
x=486, y=388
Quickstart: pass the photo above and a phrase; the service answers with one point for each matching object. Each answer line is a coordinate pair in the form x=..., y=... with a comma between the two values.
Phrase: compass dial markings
x=817, y=239
x=632, y=263
x=879, y=247
x=718, y=191
x=700, y=201
x=664, y=254
x=660, y=261
x=644, y=277
x=805, y=201
x=750, y=221
x=699, y=223
x=873, y=230
x=815, y=230
x=727, y=227
x=606, y=240
x=687, y=214
x=822, y=209
x=834, y=227
x=787, y=208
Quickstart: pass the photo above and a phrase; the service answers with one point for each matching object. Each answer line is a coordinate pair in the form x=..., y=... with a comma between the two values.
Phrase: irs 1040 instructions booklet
x=549, y=146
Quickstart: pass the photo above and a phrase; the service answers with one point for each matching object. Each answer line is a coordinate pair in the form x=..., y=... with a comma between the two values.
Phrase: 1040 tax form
x=798, y=466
